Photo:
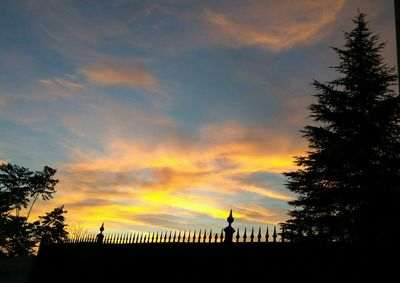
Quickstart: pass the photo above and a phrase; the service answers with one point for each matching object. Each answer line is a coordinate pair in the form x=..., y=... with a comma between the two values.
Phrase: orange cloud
x=120, y=72
x=274, y=26
x=131, y=178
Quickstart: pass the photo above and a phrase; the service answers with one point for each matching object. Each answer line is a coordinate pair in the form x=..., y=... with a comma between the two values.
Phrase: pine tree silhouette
x=348, y=182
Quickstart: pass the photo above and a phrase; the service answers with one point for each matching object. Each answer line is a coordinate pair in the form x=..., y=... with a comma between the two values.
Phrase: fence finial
x=100, y=236
x=259, y=234
x=274, y=236
x=229, y=229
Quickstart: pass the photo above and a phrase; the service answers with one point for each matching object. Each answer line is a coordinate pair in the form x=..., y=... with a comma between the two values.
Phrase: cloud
x=59, y=88
x=132, y=177
x=61, y=83
x=129, y=72
x=272, y=25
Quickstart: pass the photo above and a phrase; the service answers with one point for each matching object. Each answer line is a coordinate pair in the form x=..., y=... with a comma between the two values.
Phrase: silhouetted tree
x=17, y=236
x=19, y=188
x=51, y=227
x=348, y=183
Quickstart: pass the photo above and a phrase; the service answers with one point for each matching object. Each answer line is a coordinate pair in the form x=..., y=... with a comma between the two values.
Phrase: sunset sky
x=167, y=114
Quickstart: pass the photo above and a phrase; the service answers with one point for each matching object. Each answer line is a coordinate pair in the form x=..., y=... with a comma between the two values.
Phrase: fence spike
x=205, y=235
x=267, y=236
x=194, y=236
x=259, y=234
x=199, y=239
x=156, y=238
x=274, y=235
x=210, y=236
x=174, y=238
x=152, y=237
x=216, y=238
x=165, y=236
x=179, y=236
x=244, y=236
x=221, y=237
x=237, y=235
x=184, y=236
x=170, y=236
x=252, y=235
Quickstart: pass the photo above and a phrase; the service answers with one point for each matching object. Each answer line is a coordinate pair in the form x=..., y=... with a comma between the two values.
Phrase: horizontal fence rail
x=202, y=236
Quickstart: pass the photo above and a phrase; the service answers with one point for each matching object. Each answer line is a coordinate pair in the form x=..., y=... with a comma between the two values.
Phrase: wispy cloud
x=173, y=176
x=129, y=72
x=64, y=83
x=273, y=25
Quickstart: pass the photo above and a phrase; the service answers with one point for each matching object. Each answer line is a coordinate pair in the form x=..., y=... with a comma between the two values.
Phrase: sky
x=164, y=115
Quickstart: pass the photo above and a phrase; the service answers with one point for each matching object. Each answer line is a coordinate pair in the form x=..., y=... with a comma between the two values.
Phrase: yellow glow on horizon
x=188, y=203
x=188, y=181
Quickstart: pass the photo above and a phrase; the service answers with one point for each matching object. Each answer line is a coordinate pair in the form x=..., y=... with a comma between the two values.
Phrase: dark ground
x=16, y=269
x=188, y=262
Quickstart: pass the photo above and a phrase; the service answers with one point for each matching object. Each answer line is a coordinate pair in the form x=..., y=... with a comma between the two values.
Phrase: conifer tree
x=348, y=182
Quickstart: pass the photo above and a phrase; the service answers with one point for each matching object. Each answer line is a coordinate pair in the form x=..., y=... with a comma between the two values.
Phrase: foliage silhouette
x=51, y=227
x=348, y=182
x=20, y=188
